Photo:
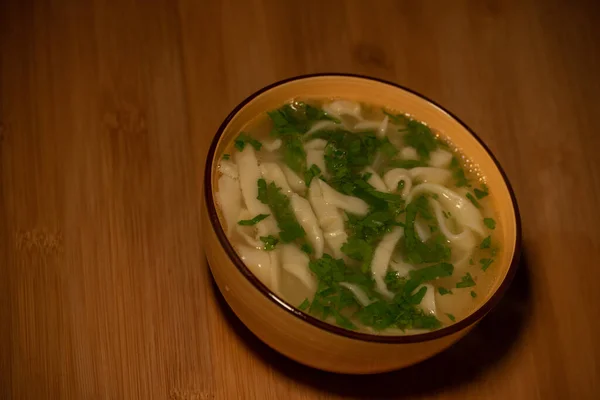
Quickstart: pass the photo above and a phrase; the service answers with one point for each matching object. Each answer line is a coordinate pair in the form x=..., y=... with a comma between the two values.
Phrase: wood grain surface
x=106, y=112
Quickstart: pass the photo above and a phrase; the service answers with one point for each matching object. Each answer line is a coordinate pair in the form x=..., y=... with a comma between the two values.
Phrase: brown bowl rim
x=368, y=337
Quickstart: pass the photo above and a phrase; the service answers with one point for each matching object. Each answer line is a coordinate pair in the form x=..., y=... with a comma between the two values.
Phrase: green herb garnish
x=269, y=241
x=451, y=317
x=466, y=281
x=360, y=250
x=226, y=156
x=304, y=305
x=472, y=199
x=307, y=248
x=489, y=223
x=333, y=300
x=279, y=204
x=485, y=263
x=405, y=164
x=387, y=148
x=421, y=138
x=432, y=272
x=458, y=173
x=253, y=221
x=486, y=243
x=312, y=172
x=397, y=119
x=480, y=194
x=417, y=252
x=443, y=291
x=291, y=122
x=346, y=154
x=473, y=294
x=243, y=139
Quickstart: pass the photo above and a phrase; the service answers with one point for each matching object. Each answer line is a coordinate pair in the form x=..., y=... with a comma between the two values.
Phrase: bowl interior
x=393, y=97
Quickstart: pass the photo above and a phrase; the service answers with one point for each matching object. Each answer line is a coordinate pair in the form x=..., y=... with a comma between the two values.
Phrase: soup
x=361, y=216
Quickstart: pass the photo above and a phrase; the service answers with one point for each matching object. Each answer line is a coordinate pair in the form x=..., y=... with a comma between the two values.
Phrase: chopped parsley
x=443, y=291
x=387, y=148
x=365, y=232
x=485, y=263
x=458, y=173
x=417, y=252
x=486, y=243
x=298, y=117
x=466, y=281
x=360, y=250
x=405, y=164
x=333, y=300
x=243, y=139
x=397, y=119
x=489, y=223
x=432, y=272
x=473, y=294
x=270, y=242
x=304, y=305
x=253, y=221
x=402, y=312
x=346, y=154
x=279, y=204
x=480, y=194
x=290, y=123
x=451, y=317
x=226, y=156
x=473, y=200
x=421, y=138
x=307, y=248
x=313, y=172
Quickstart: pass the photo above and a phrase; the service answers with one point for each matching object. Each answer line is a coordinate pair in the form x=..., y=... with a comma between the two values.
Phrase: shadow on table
x=483, y=347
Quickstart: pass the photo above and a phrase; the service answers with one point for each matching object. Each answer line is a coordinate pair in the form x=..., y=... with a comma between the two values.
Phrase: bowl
x=298, y=335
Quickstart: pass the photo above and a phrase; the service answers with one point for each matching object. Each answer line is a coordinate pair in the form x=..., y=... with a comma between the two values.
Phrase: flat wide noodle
x=307, y=218
x=249, y=175
x=271, y=172
x=440, y=158
x=229, y=197
x=428, y=302
x=343, y=107
x=316, y=157
x=462, y=209
x=358, y=293
x=228, y=168
x=330, y=219
x=295, y=261
x=393, y=177
x=430, y=174
x=258, y=261
x=381, y=259
x=275, y=270
x=295, y=182
x=272, y=146
x=375, y=180
x=351, y=204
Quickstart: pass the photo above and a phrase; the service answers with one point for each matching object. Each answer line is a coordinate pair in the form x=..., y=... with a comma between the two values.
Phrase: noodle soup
x=360, y=216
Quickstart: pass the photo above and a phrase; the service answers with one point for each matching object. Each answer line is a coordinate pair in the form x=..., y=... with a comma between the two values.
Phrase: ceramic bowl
x=300, y=336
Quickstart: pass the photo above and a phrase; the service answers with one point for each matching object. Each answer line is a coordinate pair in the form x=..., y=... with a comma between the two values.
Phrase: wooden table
x=106, y=111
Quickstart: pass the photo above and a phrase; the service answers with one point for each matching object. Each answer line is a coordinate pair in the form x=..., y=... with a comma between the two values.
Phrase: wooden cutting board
x=106, y=111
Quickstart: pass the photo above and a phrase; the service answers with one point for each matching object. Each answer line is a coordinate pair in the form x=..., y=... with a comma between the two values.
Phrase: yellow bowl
x=298, y=335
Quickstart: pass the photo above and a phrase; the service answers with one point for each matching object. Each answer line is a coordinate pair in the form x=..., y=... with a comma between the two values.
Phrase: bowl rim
x=367, y=337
